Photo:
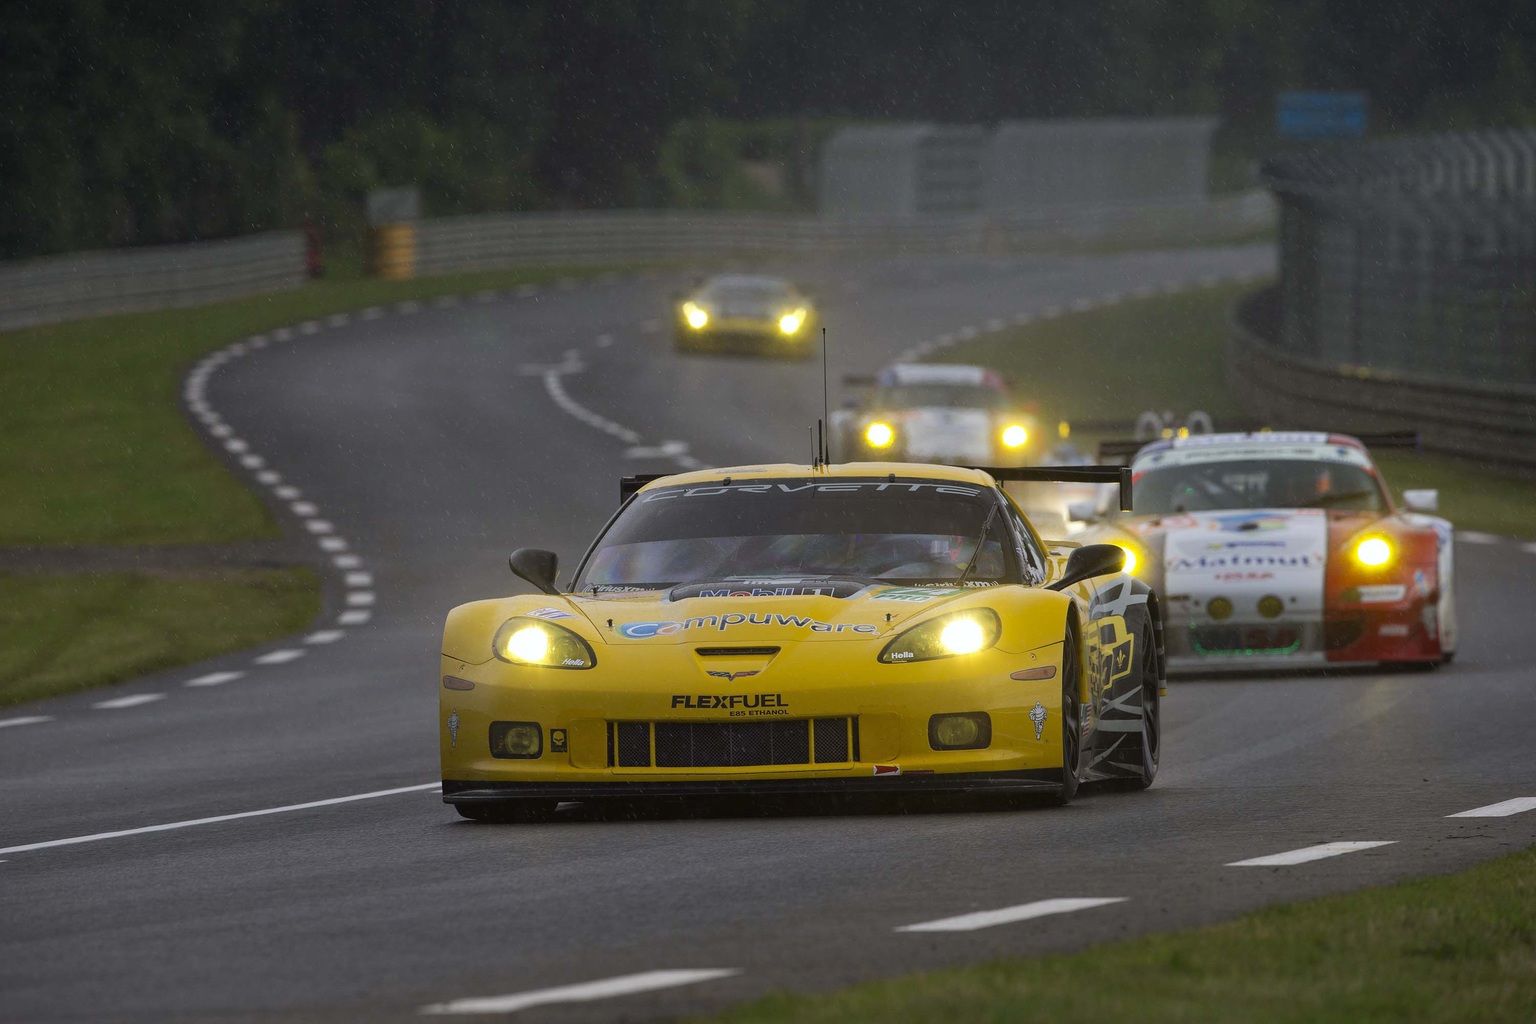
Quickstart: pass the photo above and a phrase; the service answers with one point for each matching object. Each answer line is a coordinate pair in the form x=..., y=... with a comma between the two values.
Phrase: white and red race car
x=1284, y=550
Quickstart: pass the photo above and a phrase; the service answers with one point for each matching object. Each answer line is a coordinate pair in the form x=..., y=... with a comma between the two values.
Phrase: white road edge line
x=1502, y=809
x=1307, y=854
x=216, y=819
x=1008, y=915
x=132, y=701
x=585, y=992
x=25, y=720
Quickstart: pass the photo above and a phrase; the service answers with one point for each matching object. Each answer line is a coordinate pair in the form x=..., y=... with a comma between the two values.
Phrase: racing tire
x=1071, y=719
x=508, y=812
x=1148, y=744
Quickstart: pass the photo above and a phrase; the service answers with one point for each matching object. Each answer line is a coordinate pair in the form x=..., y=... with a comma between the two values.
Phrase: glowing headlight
x=525, y=641
x=1373, y=551
x=789, y=323
x=1015, y=436
x=945, y=637
x=695, y=316
x=879, y=435
x=1130, y=559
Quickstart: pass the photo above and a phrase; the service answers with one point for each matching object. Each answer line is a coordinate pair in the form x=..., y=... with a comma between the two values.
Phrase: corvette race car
x=789, y=629
x=762, y=314
x=1284, y=550
x=932, y=412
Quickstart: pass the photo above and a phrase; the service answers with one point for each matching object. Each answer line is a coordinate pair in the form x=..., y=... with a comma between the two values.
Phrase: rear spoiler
x=1122, y=449
x=1118, y=475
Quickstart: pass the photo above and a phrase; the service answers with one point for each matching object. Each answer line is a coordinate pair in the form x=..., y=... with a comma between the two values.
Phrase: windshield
x=1257, y=483
x=907, y=531
x=950, y=396
x=751, y=291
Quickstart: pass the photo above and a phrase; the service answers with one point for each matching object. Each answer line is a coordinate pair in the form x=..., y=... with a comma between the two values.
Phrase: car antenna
x=822, y=457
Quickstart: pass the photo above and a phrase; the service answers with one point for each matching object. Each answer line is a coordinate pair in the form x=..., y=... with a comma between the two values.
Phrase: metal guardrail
x=1415, y=256
x=479, y=241
x=95, y=283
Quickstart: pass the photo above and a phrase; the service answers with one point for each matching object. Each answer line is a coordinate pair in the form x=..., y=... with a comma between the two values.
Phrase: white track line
x=190, y=823
x=1307, y=854
x=1008, y=915
x=586, y=992
x=1473, y=537
x=325, y=636
x=133, y=701
x=1502, y=809
x=281, y=657
x=356, y=617
x=25, y=720
x=214, y=679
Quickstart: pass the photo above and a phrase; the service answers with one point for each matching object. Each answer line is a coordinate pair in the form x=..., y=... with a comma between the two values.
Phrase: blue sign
x=1320, y=115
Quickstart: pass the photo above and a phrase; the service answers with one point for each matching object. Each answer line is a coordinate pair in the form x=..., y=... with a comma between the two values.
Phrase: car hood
x=761, y=611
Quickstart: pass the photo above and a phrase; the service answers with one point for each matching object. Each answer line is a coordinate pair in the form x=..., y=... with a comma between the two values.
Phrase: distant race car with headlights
x=789, y=629
x=739, y=311
x=1281, y=550
x=932, y=412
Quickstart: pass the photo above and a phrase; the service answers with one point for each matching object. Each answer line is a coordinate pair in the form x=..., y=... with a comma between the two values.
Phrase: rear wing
x=1123, y=450
x=1117, y=475
x=628, y=485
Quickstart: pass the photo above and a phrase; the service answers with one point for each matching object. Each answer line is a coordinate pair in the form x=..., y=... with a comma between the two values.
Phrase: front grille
x=1245, y=640
x=732, y=744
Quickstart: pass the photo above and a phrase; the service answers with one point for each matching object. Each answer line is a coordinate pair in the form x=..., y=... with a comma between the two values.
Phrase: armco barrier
x=1489, y=423
x=95, y=283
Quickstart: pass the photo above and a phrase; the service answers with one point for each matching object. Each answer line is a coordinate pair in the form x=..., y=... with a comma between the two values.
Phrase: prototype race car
x=933, y=412
x=762, y=314
x=790, y=629
x=1284, y=550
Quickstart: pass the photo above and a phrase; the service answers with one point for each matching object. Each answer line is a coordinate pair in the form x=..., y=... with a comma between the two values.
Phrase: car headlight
x=526, y=641
x=879, y=435
x=695, y=316
x=947, y=636
x=1374, y=552
x=1131, y=558
x=1015, y=436
x=789, y=323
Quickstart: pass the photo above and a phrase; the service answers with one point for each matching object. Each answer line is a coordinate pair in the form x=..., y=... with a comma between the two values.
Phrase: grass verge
x=1456, y=948
x=59, y=634
x=1167, y=352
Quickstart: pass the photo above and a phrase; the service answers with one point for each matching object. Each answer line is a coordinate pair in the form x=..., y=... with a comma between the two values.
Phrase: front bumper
x=1362, y=634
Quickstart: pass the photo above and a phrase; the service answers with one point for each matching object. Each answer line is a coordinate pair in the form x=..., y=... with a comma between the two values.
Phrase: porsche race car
x=743, y=312
x=1284, y=550
x=788, y=629
x=935, y=412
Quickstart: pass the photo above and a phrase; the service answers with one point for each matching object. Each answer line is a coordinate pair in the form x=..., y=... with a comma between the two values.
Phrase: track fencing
x=95, y=283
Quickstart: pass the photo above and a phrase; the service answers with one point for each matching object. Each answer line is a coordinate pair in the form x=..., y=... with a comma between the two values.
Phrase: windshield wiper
x=986, y=528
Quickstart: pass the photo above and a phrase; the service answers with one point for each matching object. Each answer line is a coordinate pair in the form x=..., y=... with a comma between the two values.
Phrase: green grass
x=1451, y=949
x=59, y=634
x=1167, y=353
x=93, y=446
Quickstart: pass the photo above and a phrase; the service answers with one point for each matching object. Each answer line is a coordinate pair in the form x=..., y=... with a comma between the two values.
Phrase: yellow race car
x=859, y=628
x=745, y=312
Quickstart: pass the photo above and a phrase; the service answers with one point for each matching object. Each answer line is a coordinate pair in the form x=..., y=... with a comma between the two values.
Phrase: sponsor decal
x=1421, y=583
x=1384, y=593
x=732, y=675
x=619, y=588
x=1240, y=561
x=453, y=730
x=1394, y=629
x=728, y=701
x=1248, y=521
x=1234, y=577
x=557, y=741
x=549, y=613
x=722, y=623
x=810, y=488
x=1038, y=715
x=887, y=769
x=914, y=595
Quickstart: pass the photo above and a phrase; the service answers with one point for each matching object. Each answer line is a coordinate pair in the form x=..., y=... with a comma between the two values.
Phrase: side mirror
x=1082, y=512
x=1422, y=501
x=1089, y=561
x=537, y=566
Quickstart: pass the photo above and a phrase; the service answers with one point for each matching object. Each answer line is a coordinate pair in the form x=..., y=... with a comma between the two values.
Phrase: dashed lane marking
x=664, y=450
x=25, y=720
x=1307, y=854
x=325, y=636
x=281, y=657
x=585, y=992
x=1473, y=537
x=1502, y=809
x=346, y=561
x=215, y=679
x=332, y=544
x=132, y=701
x=218, y=818
x=1008, y=915
x=1528, y=548
x=360, y=598
x=356, y=617
x=319, y=526
x=359, y=579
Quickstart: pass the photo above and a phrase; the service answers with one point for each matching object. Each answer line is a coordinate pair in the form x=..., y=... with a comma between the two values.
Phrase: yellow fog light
x=1219, y=608
x=1271, y=606
x=789, y=323
x=879, y=435
x=1015, y=436
x=697, y=318
x=530, y=643
x=516, y=739
x=969, y=731
x=963, y=636
x=1373, y=552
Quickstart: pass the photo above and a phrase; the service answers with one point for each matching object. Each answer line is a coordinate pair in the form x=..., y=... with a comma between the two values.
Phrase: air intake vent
x=736, y=652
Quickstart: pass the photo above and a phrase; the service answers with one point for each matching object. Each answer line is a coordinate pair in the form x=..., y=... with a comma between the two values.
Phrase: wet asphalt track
x=431, y=442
